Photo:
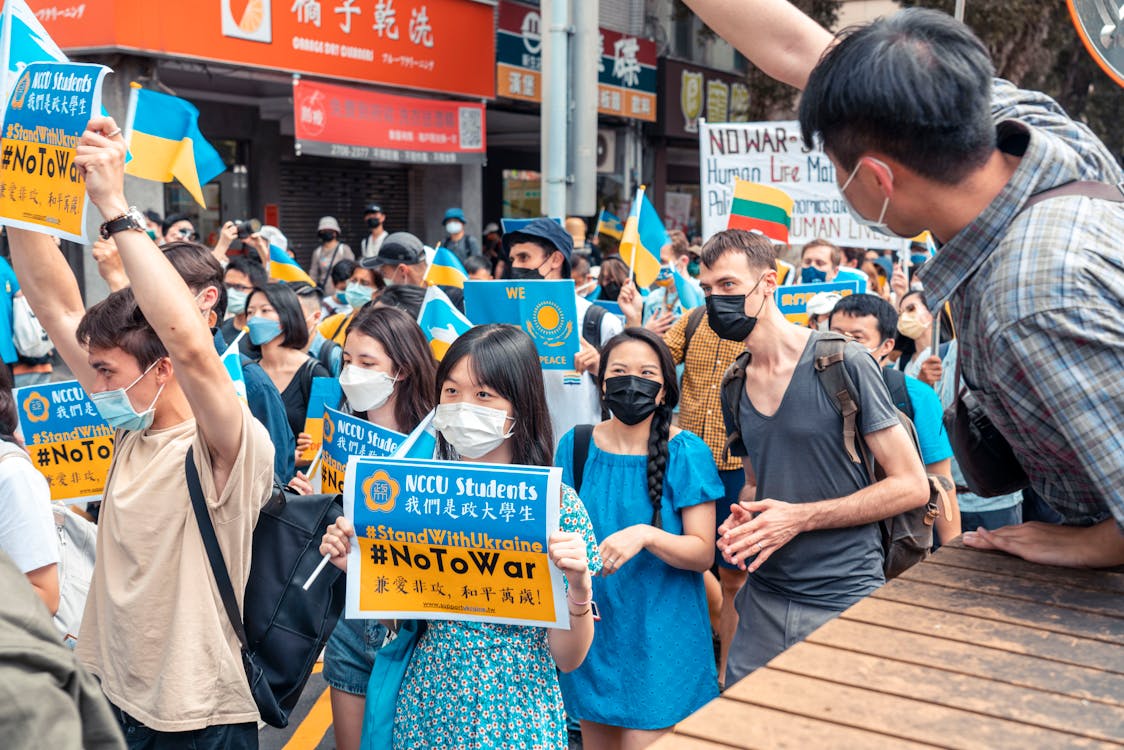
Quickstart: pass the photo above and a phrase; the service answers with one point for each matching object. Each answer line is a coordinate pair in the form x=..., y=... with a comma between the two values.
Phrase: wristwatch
x=131, y=219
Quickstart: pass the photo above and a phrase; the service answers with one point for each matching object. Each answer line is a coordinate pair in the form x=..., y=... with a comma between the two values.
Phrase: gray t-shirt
x=798, y=457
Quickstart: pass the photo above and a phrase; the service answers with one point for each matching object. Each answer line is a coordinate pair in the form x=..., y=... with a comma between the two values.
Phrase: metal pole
x=555, y=105
x=586, y=55
x=959, y=13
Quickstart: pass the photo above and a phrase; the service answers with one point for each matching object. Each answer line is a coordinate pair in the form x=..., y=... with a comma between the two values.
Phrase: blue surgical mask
x=341, y=298
x=236, y=301
x=263, y=330
x=812, y=275
x=117, y=410
x=357, y=295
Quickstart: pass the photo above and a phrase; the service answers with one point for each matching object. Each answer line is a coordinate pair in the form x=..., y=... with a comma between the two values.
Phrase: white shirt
x=369, y=248
x=27, y=523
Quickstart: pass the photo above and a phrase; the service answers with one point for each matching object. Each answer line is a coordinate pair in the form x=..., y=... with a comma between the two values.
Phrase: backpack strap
x=214, y=552
x=694, y=320
x=899, y=391
x=583, y=436
x=591, y=326
x=346, y=319
x=733, y=385
x=1088, y=188
x=829, y=356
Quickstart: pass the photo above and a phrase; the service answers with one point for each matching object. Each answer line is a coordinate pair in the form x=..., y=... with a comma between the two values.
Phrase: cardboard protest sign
x=772, y=153
x=69, y=443
x=325, y=393
x=546, y=310
x=453, y=541
x=793, y=300
x=40, y=186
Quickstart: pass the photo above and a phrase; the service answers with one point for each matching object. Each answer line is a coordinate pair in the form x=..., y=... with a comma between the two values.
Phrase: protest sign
x=793, y=300
x=40, y=186
x=69, y=443
x=611, y=306
x=325, y=393
x=772, y=153
x=346, y=436
x=453, y=541
x=546, y=310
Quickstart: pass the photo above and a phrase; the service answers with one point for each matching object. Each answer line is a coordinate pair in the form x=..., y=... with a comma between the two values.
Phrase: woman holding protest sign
x=650, y=489
x=483, y=685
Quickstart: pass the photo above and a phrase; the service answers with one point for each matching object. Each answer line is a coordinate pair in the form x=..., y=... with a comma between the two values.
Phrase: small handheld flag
x=284, y=268
x=23, y=40
x=445, y=269
x=642, y=239
x=441, y=322
x=689, y=295
x=763, y=208
x=232, y=361
x=609, y=225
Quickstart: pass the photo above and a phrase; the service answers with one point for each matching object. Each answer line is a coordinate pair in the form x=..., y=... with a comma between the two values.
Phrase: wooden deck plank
x=1003, y=564
x=740, y=725
x=1018, y=639
x=896, y=715
x=1026, y=671
x=1062, y=713
x=1004, y=609
x=992, y=584
x=683, y=742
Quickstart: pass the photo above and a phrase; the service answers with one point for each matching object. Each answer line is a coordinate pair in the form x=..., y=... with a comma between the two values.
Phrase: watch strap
x=120, y=223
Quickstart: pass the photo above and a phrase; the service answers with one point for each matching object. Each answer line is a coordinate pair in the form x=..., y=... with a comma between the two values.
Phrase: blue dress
x=479, y=685
x=652, y=659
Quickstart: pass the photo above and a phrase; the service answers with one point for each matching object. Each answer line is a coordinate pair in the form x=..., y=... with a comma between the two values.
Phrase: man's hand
x=101, y=161
x=899, y=283
x=661, y=322
x=109, y=264
x=632, y=304
x=759, y=528
x=931, y=370
x=1098, y=546
x=588, y=359
x=227, y=235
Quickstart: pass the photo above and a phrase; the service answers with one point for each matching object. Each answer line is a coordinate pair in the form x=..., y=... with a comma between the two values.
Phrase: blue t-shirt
x=10, y=286
x=928, y=418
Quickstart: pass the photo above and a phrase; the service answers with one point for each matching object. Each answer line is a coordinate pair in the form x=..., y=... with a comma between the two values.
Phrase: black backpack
x=285, y=627
x=906, y=537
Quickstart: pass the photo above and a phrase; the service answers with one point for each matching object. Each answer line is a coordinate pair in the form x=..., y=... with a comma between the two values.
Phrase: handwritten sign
x=453, y=541
x=793, y=300
x=69, y=443
x=546, y=310
x=40, y=186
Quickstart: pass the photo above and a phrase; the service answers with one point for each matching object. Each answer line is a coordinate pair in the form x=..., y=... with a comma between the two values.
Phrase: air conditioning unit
x=606, y=151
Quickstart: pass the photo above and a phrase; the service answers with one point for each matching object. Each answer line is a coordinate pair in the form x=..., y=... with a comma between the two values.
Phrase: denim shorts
x=350, y=654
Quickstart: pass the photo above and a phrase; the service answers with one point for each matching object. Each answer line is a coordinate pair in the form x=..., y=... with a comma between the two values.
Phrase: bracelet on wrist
x=583, y=613
x=576, y=602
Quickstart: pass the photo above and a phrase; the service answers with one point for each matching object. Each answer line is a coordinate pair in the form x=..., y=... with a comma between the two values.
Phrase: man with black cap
x=542, y=250
x=375, y=218
x=402, y=260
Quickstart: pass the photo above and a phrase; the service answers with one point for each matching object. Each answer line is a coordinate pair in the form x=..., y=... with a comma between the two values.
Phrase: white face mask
x=453, y=227
x=472, y=430
x=366, y=389
x=876, y=225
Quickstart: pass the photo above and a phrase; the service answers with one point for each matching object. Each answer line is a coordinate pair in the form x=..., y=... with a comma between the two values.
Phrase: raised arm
x=773, y=34
x=165, y=300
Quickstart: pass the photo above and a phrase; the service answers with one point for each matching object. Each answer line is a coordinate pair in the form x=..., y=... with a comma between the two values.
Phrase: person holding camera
x=330, y=251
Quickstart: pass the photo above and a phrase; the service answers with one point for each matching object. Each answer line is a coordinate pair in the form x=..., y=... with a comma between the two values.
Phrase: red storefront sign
x=349, y=123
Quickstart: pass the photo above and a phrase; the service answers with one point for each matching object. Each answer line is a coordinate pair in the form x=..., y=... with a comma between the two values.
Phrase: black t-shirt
x=297, y=392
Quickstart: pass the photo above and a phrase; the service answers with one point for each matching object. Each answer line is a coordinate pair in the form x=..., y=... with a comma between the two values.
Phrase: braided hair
x=660, y=428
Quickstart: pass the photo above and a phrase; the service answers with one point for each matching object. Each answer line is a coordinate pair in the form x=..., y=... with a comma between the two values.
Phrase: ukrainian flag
x=232, y=361
x=165, y=142
x=689, y=295
x=441, y=322
x=609, y=225
x=642, y=239
x=284, y=268
x=23, y=40
x=446, y=269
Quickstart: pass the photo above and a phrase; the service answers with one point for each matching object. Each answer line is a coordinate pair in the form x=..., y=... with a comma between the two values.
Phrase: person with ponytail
x=650, y=490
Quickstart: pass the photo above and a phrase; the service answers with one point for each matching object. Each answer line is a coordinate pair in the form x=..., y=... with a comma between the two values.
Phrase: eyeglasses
x=240, y=288
x=188, y=234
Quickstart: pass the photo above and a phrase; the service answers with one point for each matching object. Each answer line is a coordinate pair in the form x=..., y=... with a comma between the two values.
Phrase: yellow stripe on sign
x=312, y=730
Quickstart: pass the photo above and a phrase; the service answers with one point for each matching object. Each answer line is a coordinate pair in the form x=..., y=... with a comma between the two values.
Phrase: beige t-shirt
x=154, y=630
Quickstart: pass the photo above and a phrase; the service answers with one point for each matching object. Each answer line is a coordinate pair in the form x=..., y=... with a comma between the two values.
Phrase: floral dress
x=479, y=685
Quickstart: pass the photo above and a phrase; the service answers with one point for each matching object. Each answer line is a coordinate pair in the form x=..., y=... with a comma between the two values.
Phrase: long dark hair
x=661, y=419
x=504, y=358
x=407, y=348
x=294, y=329
x=9, y=413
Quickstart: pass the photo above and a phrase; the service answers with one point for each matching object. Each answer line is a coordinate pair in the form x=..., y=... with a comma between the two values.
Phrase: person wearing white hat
x=819, y=309
x=330, y=251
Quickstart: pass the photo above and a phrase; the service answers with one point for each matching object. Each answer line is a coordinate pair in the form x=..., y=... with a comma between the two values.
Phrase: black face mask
x=326, y=236
x=374, y=223
x=631, y=398
x=725, y=313
x=523, y=274
x=610, y=291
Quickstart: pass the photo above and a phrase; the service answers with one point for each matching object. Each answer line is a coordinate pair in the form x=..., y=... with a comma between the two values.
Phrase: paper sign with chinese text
x=346, y=436
x=546, y=310
x=793, y=300
x=68, y=441
x=41, y=188
x=447, y=540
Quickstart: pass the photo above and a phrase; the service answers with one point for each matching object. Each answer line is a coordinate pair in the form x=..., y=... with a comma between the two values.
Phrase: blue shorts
x=350, y=654
x=733, y=480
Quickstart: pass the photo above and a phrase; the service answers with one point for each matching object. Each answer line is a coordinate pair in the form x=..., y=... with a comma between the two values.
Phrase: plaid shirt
x=700, y=395
x=1038, y=298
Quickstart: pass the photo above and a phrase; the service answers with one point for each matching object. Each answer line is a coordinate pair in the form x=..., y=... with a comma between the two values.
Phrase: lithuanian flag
x=446, y=269
x=763, y=208
x=642, y=239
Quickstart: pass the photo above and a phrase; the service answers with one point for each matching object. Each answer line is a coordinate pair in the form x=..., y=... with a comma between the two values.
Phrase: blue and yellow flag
x=446, y=269
x=609, y=225
x=165, y=142
x=690, y=296
x=23, y=40
x=441, y=322
x=232, y=361
x=642, y=239
x=284, y=268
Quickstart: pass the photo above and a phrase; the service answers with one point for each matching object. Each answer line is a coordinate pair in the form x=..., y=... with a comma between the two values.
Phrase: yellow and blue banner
x=451, y=540
x=346, y=436
x=642, y=239
x=68, y=441
x=23, y=40
x=446, y=269
x=165, y=142
x=440, y=321
x=284, y=268
x=41, y=188
x=609, y=225
x=324, y=394
x=546, y=310
x=793, y=300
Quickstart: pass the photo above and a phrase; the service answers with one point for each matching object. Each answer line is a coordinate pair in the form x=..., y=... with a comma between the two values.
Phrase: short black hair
x=252, y=268
x=294, y=329
x=171, y=219
x=342, y=271
x=915, y=86
x=863, y=305
x=474, y=263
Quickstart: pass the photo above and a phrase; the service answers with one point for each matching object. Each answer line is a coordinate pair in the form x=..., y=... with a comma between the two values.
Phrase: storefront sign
x=626, y=70
x=437, y=45
x=349, y=123
x=453, y=541
x=691, y=92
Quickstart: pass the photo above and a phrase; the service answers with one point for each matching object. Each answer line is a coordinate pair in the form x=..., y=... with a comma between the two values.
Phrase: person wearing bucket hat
x=456, y=238
x=542, y=250
x=329, y=252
